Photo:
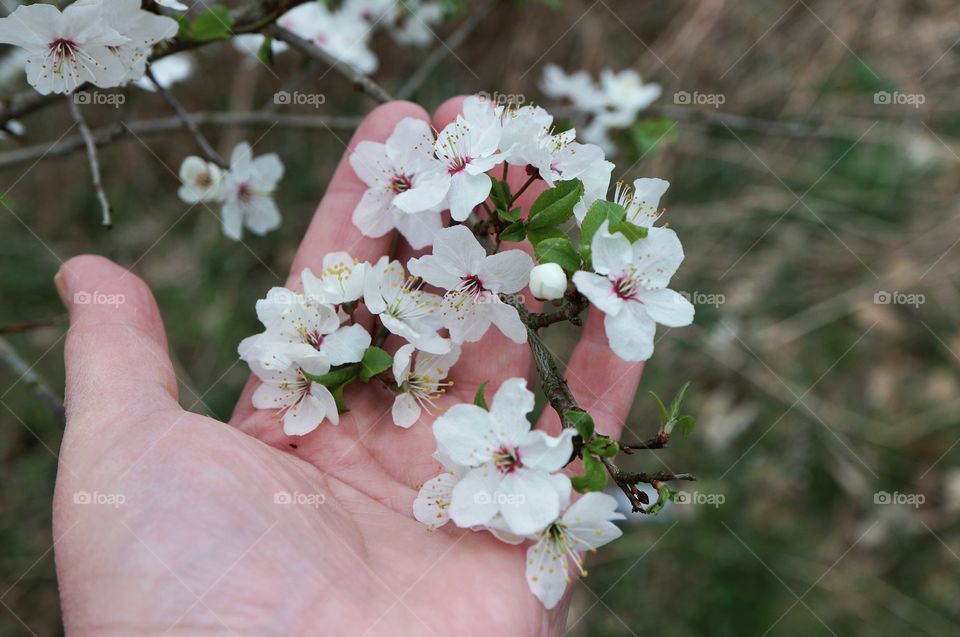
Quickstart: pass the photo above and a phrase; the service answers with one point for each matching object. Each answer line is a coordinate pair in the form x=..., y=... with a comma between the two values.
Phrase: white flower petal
x=547, y=573
x=667, y=307
x=474, y=499
x=346, y=345
x=432, y=506
x=599, y=290
x=529, y=502
x=630, y=333
x=507, y=271
x=406, y=410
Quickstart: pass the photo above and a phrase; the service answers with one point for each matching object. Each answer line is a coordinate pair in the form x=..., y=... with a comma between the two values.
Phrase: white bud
x=548, y=282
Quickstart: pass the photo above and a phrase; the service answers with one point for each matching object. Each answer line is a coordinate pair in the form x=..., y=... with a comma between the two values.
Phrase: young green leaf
x=594, y=476
x=664, y=417
x=479, y=399
x=631, y=231
x=664, y=494
x=500, y=195
x=374, y=361
x=604, y=447
x=678, y=400
x=555, y=206
x=265, y=54
x=687, y=424
x=212, y=24
x=581, y=421
x=542, y=234
x=514, y=232
x=509, y=215
x=338, y=398
x=558, y=250
x=335, y=377
x=599, y=212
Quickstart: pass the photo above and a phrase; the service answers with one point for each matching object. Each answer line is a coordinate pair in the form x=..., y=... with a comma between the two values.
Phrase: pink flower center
x=507, y=460
x=457, y=164
x=244, y=191
x=314, y=339
x=401, y=183
x=472, y=285
x=61, y=48
x=626, y=288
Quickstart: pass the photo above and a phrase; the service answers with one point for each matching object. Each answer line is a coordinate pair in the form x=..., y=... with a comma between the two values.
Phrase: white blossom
x=200, y=180
x=630, y=286
x=249, y=193
x=341, y=280
x=420, y=379
x=473, y=281
x=642, y=200
x=168, y=70
x=403, y=308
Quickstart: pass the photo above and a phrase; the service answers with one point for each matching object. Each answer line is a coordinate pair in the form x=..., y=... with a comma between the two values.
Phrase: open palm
x=167, y=522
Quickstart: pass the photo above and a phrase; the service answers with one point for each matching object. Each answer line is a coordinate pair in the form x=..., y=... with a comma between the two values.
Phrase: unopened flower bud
x=548, y=282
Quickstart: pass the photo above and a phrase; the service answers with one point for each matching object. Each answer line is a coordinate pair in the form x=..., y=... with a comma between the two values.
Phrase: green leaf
x=509, y=215
x=374, y=361
x=599, y=212
x=514, y=232
x=663, y=409
x=678, y=400
x=338, y=398
x=604, y=447
x=555, y=206
x=266, y=50
x=335, y=377
x=500, y=195
x=648, y=136
x=594, y=476
x=581, y=421
x=542, y=234
x=631, y=231
x=212, y=24
x=664, y=494
x=687, y=425
x=558, y=250
x=479, y=399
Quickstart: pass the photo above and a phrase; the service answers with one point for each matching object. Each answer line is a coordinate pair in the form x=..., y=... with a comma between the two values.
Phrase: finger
x=603, y=384
x=493, y=357
x=332, y=228
x=116, y=351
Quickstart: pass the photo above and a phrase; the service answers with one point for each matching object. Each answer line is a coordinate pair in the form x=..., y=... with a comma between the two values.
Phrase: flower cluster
x=345, y=32
x=245, y=189
x=104, y=42
x=613, y=103
x=500, y=475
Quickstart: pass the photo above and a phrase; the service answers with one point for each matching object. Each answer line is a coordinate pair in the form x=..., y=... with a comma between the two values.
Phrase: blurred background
x=812, y=151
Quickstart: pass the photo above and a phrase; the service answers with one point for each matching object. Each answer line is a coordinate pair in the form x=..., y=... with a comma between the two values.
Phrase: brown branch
x=92, y=159
x=110, y=132
x=573, y=306
x=659, y=442
x=188, y=122
x=310, y=49
x=26, y=326
x=34, y=382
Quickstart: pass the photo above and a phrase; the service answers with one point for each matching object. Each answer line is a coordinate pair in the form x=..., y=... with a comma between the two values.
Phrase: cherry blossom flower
x=630, y=287
x=413, y=22
x=467, y=147
x=473, y=280
x=509, y=466
x=201, y=180
x=642, y=200
x=340, y=281
x=432, y=505
x=65, y=49
x=406, y=184
x=420, y=379
x=340, y=33
x=249, y=193
x=168, y=71
x=585, y=526
x=300, y=402
x=142, y=29
x=251, y=43
x=403, y=308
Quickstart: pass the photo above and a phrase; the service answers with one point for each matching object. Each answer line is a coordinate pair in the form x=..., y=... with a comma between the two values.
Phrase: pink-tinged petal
x=630, y=333
x=507, y=271
x=374, y=215
x=528, y=501
x=467, y=191
x=368, y=161
x=599, y=290
x=432, y=506
x=465, y=433
x=547, y=573
x=611, y=253
x=346, y=345
x=406, y=410
x=474, y=499
x=658, y=256
x=547, y=453
x=667, y=307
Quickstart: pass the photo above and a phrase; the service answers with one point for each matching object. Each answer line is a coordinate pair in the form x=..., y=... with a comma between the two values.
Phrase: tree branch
x=92, y=159
x=26, y=374
x=188, y=122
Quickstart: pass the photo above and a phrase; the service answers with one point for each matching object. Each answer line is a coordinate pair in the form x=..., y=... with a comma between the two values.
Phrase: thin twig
x=26, y=326
x=26, y=374
x=445, y=48
x=108, y=133
x=92, y=159
x=188, y=121
x=310, y=49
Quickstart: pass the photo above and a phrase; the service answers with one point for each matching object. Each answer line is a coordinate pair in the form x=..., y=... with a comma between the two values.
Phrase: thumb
x=116, y=351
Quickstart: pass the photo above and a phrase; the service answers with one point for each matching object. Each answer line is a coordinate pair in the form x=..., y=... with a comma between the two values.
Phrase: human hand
x=200, y=543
